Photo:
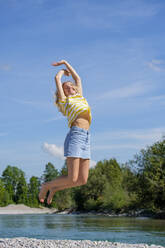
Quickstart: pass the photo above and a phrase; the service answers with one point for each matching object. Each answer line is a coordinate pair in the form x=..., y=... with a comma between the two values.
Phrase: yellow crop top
x=74, y=105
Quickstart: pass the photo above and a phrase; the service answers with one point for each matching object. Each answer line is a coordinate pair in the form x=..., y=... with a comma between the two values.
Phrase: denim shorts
x=77, y=143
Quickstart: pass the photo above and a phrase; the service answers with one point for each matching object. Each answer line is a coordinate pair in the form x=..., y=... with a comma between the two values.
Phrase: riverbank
x=23, y=209
x=37, y=243
x=135, y=213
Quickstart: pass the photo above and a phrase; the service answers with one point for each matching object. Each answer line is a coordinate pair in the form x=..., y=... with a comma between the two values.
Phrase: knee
x=73, y=180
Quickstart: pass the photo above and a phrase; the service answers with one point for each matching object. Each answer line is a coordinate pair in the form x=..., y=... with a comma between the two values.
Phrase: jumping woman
x=72, y=104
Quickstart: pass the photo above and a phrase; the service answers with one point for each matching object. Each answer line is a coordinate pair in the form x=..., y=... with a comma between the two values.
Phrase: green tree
x=115, y=200
x=111, y=169
x=33, y=190
x=22, y=190
x=15, y=184
x=151, y=174
x=115, y=197
x=130, y=184
x=104, y=189
x=63, y=199
x=50, y=172
x=91, y=195
x=4, y=196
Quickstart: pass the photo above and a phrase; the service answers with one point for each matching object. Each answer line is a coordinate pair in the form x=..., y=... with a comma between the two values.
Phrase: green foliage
x=15, y=184
x=91, y=204
x=33, y=191
x=50, y=172
x=151, y=176
x=63, y=199
x=64, y=170
x=139, y=183
x=4, y=196
x=130, y=184
x=22, y=190
x=112, y=171
x=115, y=199
x=103, y=189
x=90, y=192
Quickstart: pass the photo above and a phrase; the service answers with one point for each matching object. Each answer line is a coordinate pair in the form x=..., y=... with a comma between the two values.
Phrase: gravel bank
x=38, y=243
x=22, y=209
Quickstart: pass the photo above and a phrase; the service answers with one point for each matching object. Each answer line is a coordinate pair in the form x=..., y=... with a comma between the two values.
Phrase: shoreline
x=34, y=243
x=23, y=209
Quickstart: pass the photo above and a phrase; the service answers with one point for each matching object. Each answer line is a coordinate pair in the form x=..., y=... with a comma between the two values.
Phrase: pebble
x=38, y=243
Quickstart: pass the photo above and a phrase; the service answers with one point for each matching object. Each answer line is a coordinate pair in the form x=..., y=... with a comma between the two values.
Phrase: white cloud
x=58, y=152
x=54, y=150
x=131, y=90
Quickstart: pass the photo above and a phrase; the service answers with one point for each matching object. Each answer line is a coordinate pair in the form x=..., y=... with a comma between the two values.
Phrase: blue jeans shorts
x=77, y=143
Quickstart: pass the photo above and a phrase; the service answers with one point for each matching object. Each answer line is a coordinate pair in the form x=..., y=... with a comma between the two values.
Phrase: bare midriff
x=82, y=121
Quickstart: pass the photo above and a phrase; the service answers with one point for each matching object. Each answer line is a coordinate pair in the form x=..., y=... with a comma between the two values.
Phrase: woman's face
x=68, y=89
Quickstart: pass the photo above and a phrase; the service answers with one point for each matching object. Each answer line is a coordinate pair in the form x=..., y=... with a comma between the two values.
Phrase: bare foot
x=43, y=192
x=52, y=191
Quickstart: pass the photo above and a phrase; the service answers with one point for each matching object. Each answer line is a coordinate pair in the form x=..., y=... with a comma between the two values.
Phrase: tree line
x=112, y=187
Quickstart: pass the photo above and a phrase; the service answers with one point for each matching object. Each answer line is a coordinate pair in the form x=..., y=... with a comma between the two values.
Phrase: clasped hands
x=62, y=71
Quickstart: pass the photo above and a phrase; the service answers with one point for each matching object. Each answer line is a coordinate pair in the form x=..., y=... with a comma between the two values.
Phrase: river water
x=80, y=227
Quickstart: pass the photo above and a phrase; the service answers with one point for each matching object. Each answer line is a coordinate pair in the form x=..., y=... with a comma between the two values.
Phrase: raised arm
x=74, y=74
x=59, y=84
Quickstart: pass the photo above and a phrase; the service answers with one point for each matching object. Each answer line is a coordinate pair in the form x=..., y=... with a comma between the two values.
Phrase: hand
x=59, y=63
x=61, y=73
x=67, y=72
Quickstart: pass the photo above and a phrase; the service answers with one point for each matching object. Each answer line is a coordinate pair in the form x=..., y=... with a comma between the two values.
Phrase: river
x=81, y=227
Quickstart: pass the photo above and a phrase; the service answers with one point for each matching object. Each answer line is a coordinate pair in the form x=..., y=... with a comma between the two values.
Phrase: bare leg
x=55, y=189
x=46, y=186
x=82, y=179
x=83, y=170
x=73, y=171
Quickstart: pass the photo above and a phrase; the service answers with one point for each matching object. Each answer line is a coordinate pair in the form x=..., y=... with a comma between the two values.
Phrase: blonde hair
x=56, y=96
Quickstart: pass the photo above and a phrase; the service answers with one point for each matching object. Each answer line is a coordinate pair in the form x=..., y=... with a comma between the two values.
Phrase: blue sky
x=117, y=47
